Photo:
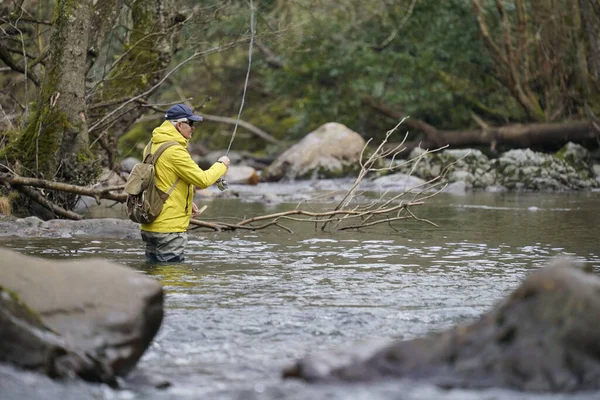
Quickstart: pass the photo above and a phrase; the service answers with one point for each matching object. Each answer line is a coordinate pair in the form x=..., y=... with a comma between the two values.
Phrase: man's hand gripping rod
x=222, y=183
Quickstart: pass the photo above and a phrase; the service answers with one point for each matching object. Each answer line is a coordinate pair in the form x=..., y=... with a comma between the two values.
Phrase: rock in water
x=544, y=337
x=331, y=151
x=27, y=343
x=102, y=314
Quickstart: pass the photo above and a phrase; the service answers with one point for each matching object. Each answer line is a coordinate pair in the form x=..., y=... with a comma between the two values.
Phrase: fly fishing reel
x=222, y=184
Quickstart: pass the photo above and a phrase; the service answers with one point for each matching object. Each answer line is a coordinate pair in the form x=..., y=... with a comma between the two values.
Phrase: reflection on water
x=244, y=305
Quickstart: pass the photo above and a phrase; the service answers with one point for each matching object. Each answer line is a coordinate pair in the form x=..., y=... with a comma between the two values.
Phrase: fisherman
x=175, y=170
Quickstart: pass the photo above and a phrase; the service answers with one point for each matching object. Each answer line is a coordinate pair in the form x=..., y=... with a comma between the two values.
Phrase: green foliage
x=346, y=61
x=333, y=54
x=315, y=61
x=37, y=146
x=7, y=138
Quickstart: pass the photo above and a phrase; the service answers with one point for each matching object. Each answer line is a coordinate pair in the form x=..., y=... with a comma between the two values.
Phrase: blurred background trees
x=453, y=64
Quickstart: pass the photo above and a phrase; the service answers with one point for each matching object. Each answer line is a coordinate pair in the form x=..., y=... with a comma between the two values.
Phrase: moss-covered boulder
x=518, y=169
x=529, y=170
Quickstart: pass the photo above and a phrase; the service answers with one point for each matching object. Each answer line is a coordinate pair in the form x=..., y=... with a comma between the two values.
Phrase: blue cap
x=179, y=111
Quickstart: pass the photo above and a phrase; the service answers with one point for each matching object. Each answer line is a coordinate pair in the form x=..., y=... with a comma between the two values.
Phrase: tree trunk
x=544, y=135
x=148, y=52
x=590, y=20
x=55, y=142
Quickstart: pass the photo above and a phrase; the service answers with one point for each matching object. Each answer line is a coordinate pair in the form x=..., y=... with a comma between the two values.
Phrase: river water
x=247, y=304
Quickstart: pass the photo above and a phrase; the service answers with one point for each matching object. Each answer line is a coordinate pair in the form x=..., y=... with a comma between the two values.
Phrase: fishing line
x=222, y=183
x=252, y=33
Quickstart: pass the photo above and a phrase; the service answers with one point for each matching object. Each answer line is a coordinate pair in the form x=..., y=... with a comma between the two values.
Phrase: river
x=247, y=304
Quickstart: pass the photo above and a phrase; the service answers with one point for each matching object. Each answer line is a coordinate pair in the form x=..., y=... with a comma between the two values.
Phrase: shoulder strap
x=161, y=149
x=151, y=158
x=146, y=156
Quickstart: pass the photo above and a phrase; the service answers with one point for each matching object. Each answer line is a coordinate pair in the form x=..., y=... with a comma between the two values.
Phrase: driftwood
x=350, y=214
x=542, y=135
x=315, y=218
x=347, y=214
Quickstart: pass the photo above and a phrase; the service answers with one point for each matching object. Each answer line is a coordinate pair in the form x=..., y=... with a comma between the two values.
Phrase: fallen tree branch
x=544, y=135
x=312, y=217
x=41, y=200
x=231, y=121
x=272, y=60
x=103, y=193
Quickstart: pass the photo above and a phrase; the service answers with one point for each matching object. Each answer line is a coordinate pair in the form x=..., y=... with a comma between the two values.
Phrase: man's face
x=186, y=128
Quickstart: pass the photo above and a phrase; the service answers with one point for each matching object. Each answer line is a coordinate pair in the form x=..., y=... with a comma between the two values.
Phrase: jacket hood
x=167, y=132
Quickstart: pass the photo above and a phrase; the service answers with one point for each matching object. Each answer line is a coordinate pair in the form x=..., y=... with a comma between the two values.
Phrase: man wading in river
x=166, y=236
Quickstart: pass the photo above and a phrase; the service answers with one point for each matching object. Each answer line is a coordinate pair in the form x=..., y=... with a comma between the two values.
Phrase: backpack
x=144, y=200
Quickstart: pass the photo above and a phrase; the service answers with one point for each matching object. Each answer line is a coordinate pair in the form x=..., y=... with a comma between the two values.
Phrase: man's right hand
x=225, y=160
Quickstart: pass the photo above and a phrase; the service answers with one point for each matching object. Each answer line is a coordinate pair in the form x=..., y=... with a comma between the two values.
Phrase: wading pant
x=164, y=247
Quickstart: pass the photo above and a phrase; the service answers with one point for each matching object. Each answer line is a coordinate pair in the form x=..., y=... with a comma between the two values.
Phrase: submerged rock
x=88, y=318
x=544, y=337
x=113, y=228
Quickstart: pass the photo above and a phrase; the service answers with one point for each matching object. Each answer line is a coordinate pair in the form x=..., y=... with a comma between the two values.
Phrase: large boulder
x=91, y=318
x=242, y=174
x=544, y=337
x=331, y=151
x=27, y=343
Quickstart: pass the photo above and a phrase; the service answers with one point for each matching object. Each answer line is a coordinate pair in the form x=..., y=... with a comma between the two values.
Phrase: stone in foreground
x=545, y=337
x=88, y=318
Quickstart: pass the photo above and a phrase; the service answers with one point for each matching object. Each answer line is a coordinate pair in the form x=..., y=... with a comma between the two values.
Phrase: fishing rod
x=222, y=183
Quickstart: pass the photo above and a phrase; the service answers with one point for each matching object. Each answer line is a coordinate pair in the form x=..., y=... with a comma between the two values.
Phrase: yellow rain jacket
x=175, y=162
